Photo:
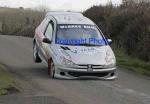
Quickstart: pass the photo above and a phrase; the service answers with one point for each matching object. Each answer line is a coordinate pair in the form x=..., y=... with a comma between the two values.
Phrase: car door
x=45, y=46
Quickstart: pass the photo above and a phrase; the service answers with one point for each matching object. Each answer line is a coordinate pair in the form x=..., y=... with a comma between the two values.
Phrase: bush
x=128, y=24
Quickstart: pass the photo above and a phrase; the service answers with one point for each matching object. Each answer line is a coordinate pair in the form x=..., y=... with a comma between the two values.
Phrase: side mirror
x=46, y=40
x=109, y=41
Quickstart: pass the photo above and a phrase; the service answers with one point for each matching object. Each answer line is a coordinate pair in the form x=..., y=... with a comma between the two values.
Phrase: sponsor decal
x=69, y=26
x=77, y=26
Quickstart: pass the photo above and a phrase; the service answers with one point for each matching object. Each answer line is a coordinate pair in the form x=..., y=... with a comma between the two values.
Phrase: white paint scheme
x=90, y=61
x=69, y=18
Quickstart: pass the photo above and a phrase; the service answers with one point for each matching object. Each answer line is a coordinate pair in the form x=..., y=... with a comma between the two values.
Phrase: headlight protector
x=110, y=59
x=67, y=61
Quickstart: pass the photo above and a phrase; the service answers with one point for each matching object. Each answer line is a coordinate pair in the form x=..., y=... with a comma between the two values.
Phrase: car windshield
x=79, y=35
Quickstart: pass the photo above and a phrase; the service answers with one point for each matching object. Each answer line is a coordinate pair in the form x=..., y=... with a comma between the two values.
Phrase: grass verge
x=6, y=82
x=131, y=63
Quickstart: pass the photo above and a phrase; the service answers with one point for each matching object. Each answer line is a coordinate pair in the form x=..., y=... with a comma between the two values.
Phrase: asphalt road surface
x=38, y=88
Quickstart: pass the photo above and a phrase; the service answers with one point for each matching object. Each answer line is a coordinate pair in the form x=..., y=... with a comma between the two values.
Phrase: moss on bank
x=6, y=82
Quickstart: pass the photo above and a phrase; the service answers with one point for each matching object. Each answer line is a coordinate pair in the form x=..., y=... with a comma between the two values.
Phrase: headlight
x=110, y=59
x=67, y=62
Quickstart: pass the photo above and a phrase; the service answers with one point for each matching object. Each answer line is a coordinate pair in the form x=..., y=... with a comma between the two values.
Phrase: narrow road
x=39, y=88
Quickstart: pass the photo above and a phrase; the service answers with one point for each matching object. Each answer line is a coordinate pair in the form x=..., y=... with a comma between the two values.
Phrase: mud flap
x=49, y=66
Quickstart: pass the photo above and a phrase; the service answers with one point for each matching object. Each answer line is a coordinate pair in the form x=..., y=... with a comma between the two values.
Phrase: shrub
x=128, y=24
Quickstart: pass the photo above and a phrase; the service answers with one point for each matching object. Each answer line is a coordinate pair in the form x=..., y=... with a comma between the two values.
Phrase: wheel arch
x=34, y=41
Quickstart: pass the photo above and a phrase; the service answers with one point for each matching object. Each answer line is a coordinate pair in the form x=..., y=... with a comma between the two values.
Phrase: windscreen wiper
x=87, y=44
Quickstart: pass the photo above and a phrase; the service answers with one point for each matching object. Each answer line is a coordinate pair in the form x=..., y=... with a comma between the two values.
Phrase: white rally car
x=73, y=47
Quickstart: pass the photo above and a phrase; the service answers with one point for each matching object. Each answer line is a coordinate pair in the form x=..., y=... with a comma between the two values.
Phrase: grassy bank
x=6, y=82
x=131, y=63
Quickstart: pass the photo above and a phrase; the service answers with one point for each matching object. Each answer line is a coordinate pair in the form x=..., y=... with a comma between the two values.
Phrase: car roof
x=69, y=18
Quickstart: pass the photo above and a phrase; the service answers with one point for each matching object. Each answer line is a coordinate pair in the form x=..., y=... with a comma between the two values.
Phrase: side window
x=49, y=31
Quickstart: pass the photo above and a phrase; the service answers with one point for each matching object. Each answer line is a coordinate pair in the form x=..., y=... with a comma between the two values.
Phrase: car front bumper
x=78, y=73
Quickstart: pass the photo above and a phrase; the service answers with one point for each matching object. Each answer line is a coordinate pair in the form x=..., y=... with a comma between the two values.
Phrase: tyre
x=36, y=57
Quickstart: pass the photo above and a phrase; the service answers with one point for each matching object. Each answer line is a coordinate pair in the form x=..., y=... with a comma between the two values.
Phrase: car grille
x=81, y=66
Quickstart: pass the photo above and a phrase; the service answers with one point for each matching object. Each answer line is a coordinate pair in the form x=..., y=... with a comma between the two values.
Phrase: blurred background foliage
x=128, y=25
x=19, y=21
